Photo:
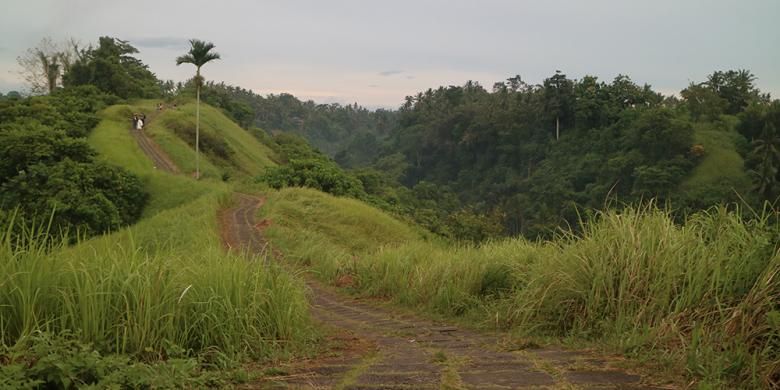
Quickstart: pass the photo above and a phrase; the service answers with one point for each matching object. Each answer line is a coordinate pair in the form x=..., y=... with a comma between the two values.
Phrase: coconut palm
x=200, y=53
x=766, y=173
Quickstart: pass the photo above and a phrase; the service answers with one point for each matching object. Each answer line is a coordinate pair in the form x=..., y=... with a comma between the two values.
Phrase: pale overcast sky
x=377, y=52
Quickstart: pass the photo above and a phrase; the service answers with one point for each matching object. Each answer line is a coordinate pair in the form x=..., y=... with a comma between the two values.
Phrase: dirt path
x=408, y=352
x=159, y=158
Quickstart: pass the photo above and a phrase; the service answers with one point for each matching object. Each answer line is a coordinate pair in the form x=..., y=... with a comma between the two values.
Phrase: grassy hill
x=173, y=128
x=148, y=306
x=721, y=171
x=112, y=139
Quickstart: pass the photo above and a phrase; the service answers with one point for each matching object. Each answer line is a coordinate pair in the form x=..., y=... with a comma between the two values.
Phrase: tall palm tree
x=200, y=53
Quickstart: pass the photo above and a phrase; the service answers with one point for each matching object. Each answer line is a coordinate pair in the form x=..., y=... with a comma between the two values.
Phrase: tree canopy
x=112, y=69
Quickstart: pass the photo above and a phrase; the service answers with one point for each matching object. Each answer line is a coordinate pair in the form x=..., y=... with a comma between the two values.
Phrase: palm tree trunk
x=197, y=134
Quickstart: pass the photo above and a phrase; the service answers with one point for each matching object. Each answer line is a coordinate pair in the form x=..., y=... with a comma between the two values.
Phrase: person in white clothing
x=140, y=124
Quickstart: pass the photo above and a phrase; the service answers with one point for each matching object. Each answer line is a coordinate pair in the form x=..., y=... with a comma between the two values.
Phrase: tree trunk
x=197, y=134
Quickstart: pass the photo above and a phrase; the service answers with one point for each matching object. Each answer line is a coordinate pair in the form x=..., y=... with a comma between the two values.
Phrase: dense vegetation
x=328, y=127
x=541, y=154
x=111, y=68
x=158, y=305
x=531, y=158
x=49, y=173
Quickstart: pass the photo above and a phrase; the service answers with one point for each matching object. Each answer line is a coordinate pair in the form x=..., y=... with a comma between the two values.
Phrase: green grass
x=722, y=166
x=166, y=280
x=112, y=139
x=308, y=223
x=249, y=156
x=703, y=295
x=161, y=290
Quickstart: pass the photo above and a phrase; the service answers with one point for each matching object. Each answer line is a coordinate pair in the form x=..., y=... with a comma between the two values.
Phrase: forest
x=529, y=159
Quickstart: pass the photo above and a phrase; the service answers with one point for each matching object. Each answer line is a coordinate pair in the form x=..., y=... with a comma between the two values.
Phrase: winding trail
x=408, y=352
x=159, y=158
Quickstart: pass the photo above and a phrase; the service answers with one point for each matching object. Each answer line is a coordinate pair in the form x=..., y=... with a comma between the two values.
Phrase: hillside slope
x=720, y=174
x=244, y=156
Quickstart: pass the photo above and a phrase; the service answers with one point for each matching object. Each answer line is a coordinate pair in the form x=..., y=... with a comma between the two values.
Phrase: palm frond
x=185, y=59
x=200, y=53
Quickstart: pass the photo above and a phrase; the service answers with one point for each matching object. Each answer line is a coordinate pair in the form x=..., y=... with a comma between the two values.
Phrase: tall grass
x=166, y=282
x=707, y=292
x=709, y=289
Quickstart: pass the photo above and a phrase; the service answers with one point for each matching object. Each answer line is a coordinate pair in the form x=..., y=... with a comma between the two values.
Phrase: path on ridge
x=409, y=352
x=159, y=158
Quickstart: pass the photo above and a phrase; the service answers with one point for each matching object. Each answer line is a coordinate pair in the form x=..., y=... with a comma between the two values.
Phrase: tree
x=44, y=65
x=200, y=54
x=702, y=102
x=765, y=173
x=736, y=87
x=559, y=100
x=112, y=69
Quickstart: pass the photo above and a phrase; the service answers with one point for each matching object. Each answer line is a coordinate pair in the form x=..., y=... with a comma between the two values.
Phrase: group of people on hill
x=161, y=106
x=139, y=120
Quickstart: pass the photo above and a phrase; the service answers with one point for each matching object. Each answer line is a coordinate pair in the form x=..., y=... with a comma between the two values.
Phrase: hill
x=238, y=154
x=721, y=174
x=147, y=305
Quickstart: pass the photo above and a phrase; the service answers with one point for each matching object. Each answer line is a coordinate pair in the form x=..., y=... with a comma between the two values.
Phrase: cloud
x=161, y=43
x=390, y=72
x=373, y=86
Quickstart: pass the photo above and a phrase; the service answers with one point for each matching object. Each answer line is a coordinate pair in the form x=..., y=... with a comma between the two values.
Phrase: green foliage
x=728, y=92
x=112, y=69
x=499, y=154
x=70, y=110
x=317, y=174
x=332, y=128
x=199, y=54
x=48, y=175
x=307, y=167
x=83, y=197
x=760, y=123
x=210, y=144
x=467, y=225
x=24, y=146
x=61, y=361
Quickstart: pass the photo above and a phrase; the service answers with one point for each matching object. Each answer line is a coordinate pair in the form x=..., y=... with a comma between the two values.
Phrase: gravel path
x=159, y=158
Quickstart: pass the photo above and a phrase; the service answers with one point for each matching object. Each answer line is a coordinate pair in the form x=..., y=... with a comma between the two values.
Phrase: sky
x=376, y=52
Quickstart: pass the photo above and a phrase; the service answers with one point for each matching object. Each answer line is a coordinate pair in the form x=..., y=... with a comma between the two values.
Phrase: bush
x=44, y=360
x=325, y=176
x=44, y=169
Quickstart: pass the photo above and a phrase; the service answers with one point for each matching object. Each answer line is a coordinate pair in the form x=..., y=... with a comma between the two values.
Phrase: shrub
x=325, y=176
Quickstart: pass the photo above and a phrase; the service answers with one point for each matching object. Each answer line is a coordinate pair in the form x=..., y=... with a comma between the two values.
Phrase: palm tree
x=766, y=173
x=200, y=53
